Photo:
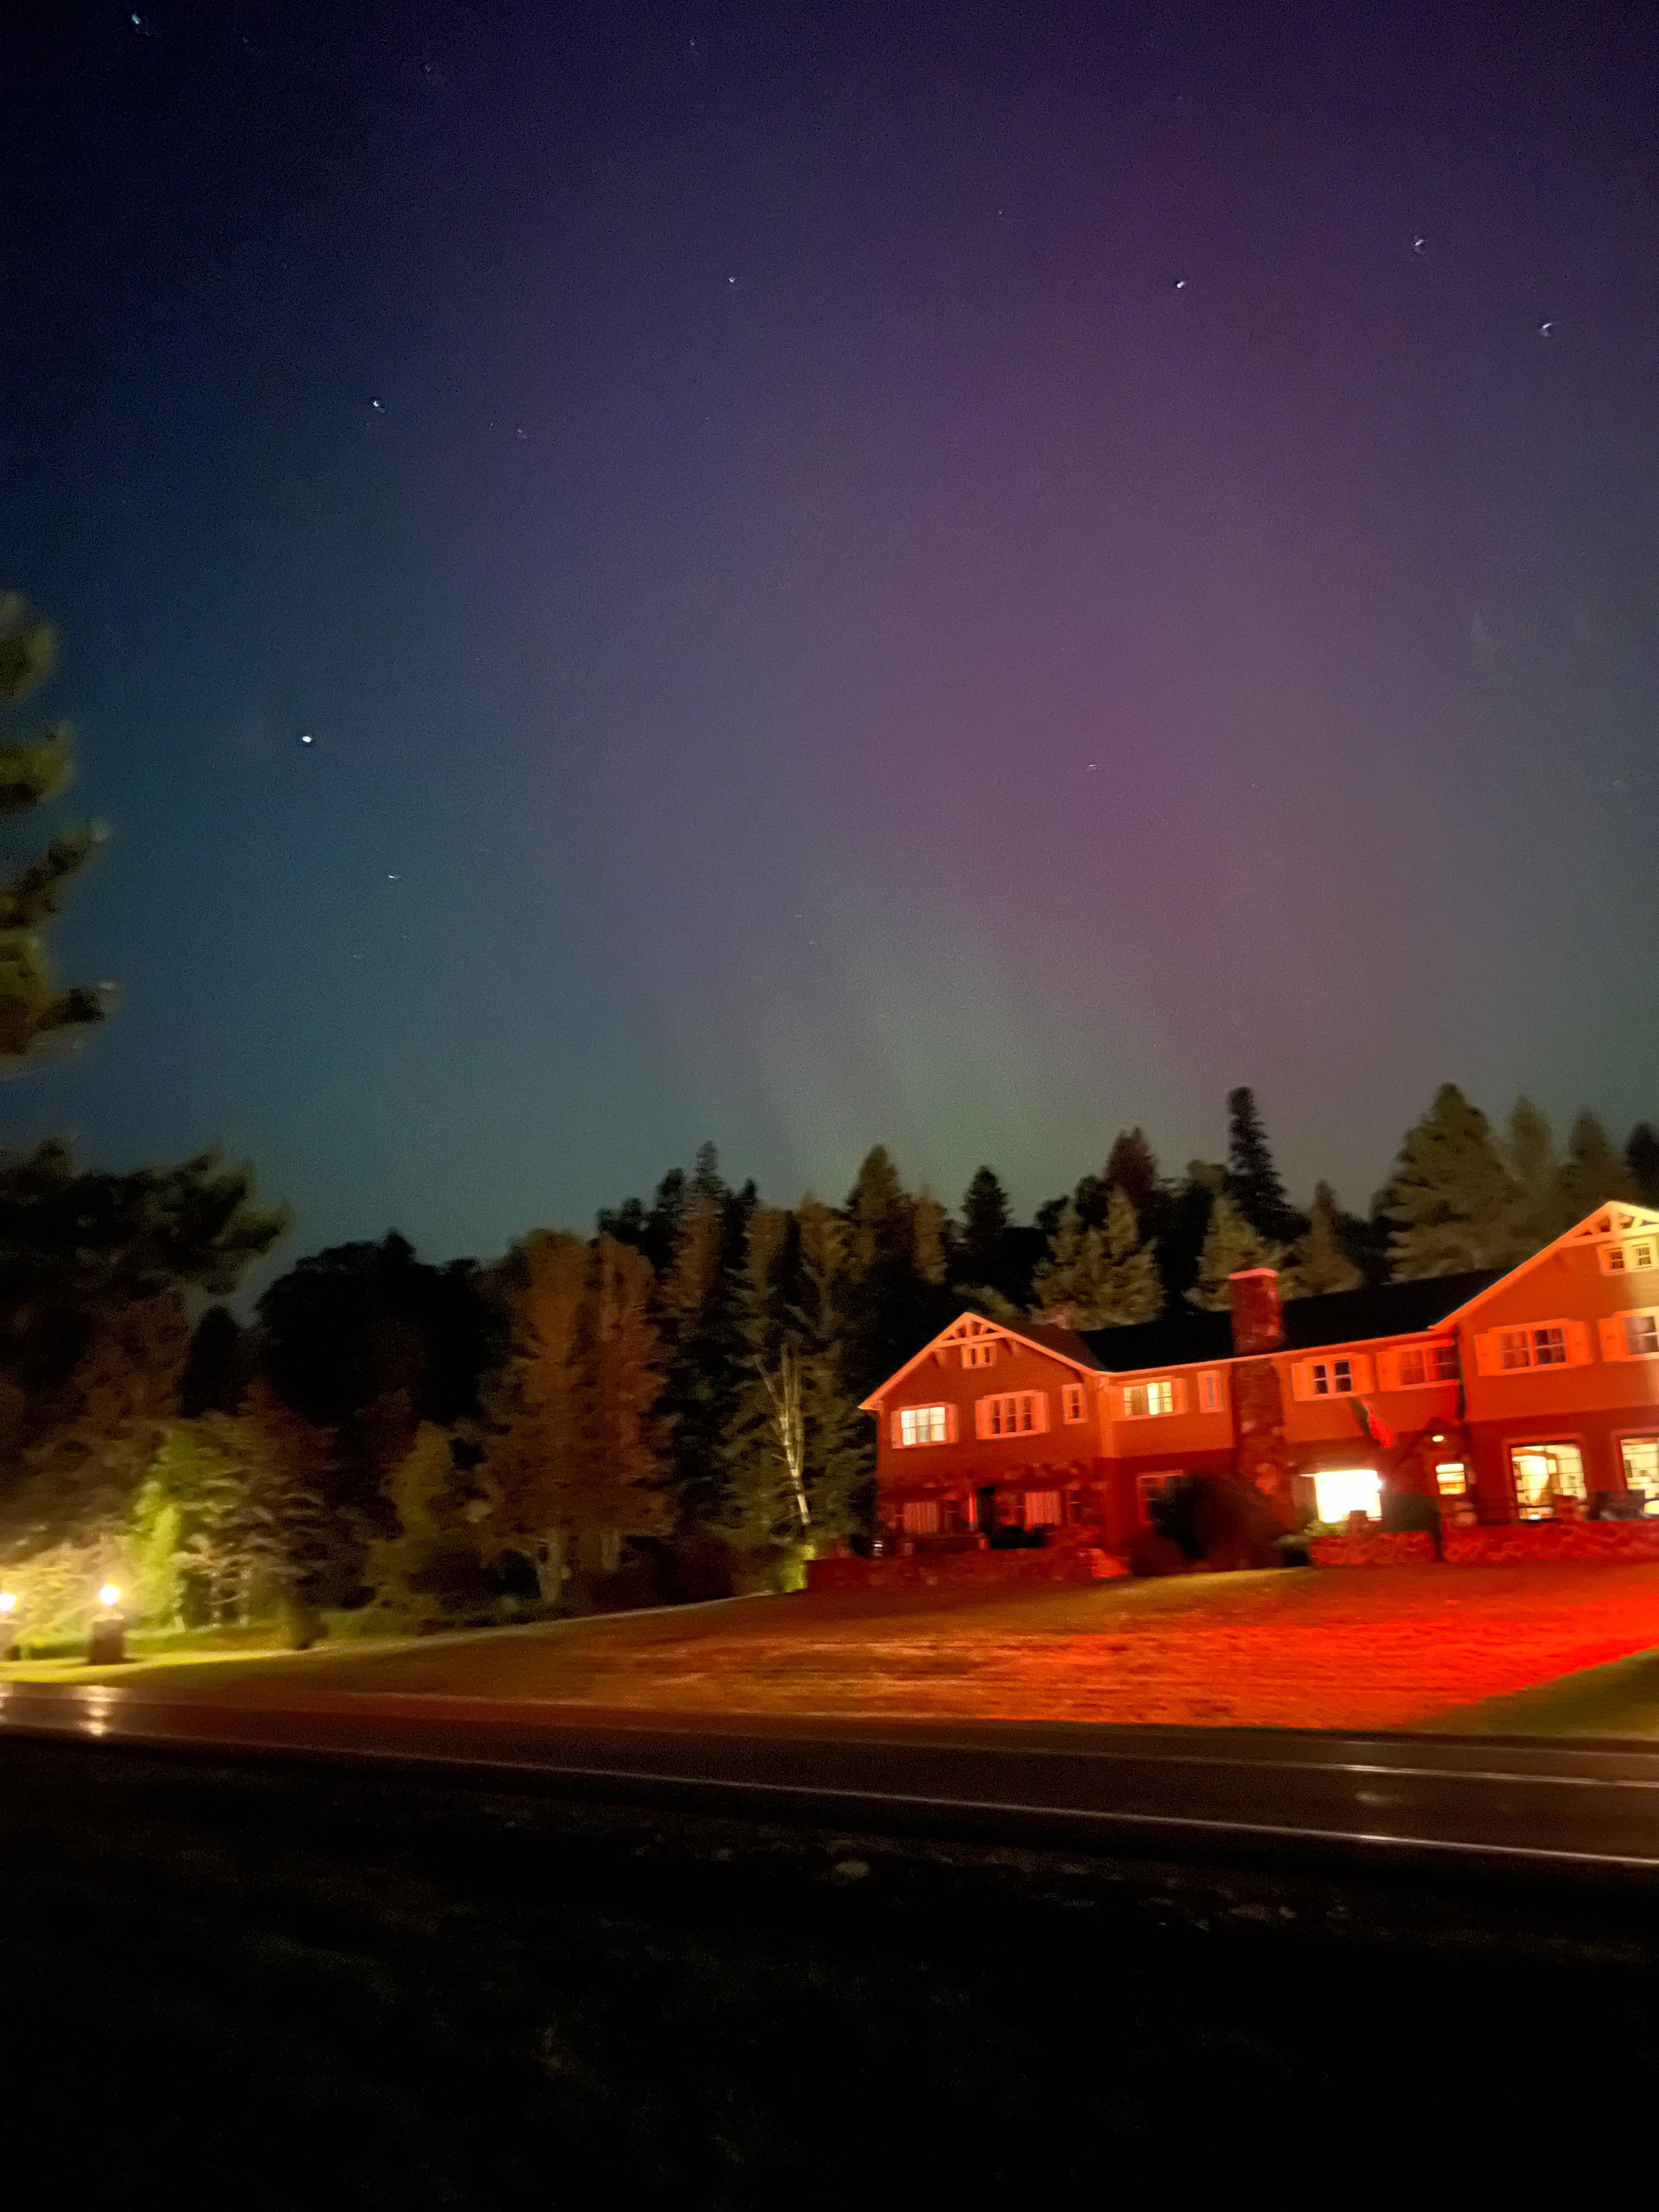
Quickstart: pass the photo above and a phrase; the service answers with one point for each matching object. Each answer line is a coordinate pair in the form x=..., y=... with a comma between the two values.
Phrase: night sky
x=958, y=576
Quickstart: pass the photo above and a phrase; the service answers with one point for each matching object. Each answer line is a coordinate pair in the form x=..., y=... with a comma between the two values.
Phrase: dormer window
x=980, y=1353
x=1634, y=1256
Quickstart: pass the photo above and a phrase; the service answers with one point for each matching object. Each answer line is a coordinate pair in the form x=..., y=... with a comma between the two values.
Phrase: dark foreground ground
x=277, y=1985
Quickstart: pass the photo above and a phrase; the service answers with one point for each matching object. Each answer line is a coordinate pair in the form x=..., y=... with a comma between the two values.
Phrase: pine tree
x=33, y=1011
x=1528, y=1153
x=1101, y=1277
x=1642, y=1163
x=1253, y=1180
x=1184, y=1222
x=1132, y=1167
x=1231, y=1243
x=621, y=1490
x=982, y=1246
x=528, y=1463
x=1592, y=1173
x=695, y=1310
x=767, y=1506
x=1450, y=1199
x=1318, y=1264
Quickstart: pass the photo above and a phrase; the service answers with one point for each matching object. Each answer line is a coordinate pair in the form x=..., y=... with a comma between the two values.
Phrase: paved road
x=1579, y=1813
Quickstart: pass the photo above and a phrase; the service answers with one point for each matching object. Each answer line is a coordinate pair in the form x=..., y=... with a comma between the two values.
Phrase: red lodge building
x=1528, y=1395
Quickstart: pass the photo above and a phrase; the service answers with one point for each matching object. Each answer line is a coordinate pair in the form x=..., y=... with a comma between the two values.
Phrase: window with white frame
x=1014, y=1414
x=1544, y=1475
x=1416, y=1365
x=1451, y=1477
x=1212, y=1397
x=1638, y=1256
x=1543, y=1345
x=1142, y=1400
x=1071, y=1402
x=1330, y=1378
x=980, y=1353
x=923, y=1425
x=1640, y=1457
x=1641, y=1334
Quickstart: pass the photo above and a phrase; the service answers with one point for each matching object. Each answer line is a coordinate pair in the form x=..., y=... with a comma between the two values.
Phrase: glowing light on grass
x=109, y=1598
x=7, y=1600
x=1339, y=1490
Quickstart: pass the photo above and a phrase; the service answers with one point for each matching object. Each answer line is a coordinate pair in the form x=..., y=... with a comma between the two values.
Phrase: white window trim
x=1575, y=1336
x=1176, y=1386
x=1618, y=1256
x=900, y=1442
x=1073, y=1394
x=982, y=1429
x=1615, y=1344
x=1388, y=1365
x=1212, y=1391
x=979, y=1352
x=1360, y=1376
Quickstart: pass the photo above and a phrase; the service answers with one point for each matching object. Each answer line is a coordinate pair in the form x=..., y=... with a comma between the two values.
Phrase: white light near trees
x=8, y=1601
x=109, y=1598
x=1339, y=1490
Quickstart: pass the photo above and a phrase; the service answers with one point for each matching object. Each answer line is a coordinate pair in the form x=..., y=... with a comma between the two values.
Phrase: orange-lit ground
x=1364, y=1648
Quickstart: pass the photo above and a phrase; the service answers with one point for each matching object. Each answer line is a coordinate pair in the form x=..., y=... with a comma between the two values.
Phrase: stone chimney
x=1252, y=1301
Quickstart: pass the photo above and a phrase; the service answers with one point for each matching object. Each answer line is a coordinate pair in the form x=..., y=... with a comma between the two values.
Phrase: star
x=378, y=405
x=1180, y=283
x=1544, y=329
x=1419, y=244
x=306, y=738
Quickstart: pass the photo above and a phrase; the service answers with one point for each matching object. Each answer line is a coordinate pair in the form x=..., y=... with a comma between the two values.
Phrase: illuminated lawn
x=1377, y=1648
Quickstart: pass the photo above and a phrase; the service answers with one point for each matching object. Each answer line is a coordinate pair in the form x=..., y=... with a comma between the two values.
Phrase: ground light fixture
x=107, y=1645
x=8, y=1608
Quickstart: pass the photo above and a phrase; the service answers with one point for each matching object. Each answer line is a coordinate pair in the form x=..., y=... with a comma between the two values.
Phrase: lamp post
x=107, y=1646
x=8, y=1625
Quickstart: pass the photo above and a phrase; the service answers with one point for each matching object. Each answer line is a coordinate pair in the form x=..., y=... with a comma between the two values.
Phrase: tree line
x=660, y=1409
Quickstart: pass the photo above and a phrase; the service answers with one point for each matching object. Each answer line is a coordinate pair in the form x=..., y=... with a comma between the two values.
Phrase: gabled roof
x=1608, y=1224
x=1062, y=1343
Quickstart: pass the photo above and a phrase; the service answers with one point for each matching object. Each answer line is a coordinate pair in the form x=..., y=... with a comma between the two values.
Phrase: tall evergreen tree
x=34, y=1009
x=1231, y=1243
x=1450, y=1200
x=982, y=1243
x=1318, y=1261
x=624, y=1465
x=1185, y=1221
x=1528, y=1153
x=1132, y=1167
x=1593, y=1172
x=1254, y=1181
x=1101, y=1277
x=1642, y=1163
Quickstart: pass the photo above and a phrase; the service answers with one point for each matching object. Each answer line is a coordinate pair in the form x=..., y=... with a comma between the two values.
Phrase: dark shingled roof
x=1342, y=1317
x=1066, y=1342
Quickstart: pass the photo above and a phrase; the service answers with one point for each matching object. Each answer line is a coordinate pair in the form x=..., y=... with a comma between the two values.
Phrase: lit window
x=924, y=1424
x=1042, y=1508
x=1640, y=1455
x=919, y=1516
x=1141, y=1399
x=980, y=1354
x=1451, y=1477
x=1641, y=1335
x=1543, y=1473
x=1332, y=1378
x=1017, y=1413
x=1071, y=1402
x=1339, y=1490
x=1209, y=1391
x=1544, y=1346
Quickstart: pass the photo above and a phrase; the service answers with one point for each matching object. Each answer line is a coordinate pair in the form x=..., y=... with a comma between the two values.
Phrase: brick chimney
x=1252, y=1301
